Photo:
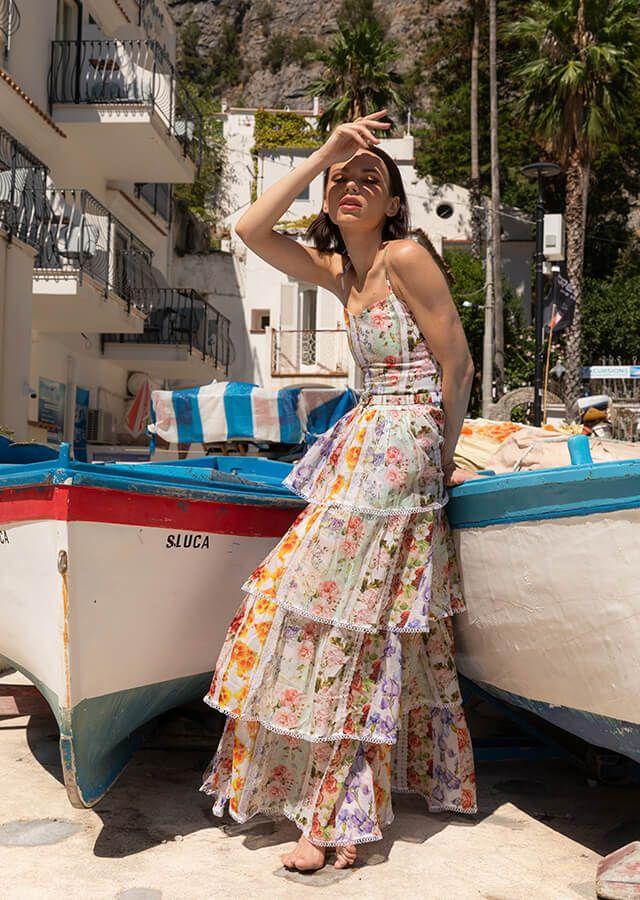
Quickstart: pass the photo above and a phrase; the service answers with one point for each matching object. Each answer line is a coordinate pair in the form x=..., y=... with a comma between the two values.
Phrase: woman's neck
x=361, y=251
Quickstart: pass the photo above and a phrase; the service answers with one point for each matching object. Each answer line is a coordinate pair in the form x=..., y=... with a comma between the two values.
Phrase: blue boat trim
x=602, y=731
x=214, y=479
x=545, y=494
x=99, y=736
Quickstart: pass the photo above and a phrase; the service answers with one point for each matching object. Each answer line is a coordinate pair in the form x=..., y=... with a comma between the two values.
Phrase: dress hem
x=311, y=739
x=364, y=839
x=338, y=623
x=385, y=512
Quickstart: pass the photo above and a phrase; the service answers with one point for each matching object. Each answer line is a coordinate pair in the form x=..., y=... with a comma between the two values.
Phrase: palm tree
x=475, y=192
x=496, y=235
x=358, y=78
x=578, y=84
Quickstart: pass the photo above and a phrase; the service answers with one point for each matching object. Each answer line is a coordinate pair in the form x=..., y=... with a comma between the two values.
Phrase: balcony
x=23, y=183
x=88, y=268
x=184, y=337
x=159, y=199
x=115, y=95
x=321, y=352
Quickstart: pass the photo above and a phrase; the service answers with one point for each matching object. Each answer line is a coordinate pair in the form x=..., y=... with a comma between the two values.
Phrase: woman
x=337, y=672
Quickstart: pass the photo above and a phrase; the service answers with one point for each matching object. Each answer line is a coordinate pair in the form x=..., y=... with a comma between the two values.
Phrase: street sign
x=594, y=372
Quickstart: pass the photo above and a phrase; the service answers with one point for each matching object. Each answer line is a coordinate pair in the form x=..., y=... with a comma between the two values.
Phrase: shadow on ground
x=156, y=799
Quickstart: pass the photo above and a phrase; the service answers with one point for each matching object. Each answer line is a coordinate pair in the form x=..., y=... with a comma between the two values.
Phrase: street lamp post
x=539, y=170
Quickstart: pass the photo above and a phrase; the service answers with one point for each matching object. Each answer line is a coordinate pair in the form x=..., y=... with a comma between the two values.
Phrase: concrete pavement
x=541, y=831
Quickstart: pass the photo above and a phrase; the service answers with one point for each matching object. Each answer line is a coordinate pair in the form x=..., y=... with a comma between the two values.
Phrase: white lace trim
x=277, y=813
x=316, y=739
x=439, y=807
x=283, y=813
x=385, y=513
x=338, y=623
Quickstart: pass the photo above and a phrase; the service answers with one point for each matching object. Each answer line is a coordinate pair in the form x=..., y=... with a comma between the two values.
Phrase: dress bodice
x=387, y=344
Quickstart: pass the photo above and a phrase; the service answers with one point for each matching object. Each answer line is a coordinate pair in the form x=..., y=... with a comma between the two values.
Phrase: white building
x=287, y=333
x=94, y=130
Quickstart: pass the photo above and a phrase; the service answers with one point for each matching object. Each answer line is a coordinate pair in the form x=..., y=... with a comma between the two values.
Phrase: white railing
x=313, y=352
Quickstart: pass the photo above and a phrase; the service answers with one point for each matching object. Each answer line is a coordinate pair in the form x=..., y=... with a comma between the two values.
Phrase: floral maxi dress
x=337, y=673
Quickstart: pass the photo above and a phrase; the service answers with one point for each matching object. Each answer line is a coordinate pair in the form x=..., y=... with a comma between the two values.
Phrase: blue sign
x=81, y=423
x=51, y=400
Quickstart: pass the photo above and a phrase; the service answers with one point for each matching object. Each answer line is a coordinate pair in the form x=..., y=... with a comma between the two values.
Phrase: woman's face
x=358, y=191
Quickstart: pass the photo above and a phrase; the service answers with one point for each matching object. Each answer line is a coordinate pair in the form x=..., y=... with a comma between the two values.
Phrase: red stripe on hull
x=80, y=503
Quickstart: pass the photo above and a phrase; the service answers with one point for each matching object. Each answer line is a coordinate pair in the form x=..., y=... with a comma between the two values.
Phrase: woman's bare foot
x=305, y=856
x=345, y=856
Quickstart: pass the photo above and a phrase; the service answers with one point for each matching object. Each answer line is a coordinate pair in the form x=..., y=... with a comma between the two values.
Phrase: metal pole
x=537, y=401
x=487, y=343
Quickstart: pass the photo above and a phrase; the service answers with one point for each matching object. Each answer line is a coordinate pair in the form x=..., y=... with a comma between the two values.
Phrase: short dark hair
x=326, y=235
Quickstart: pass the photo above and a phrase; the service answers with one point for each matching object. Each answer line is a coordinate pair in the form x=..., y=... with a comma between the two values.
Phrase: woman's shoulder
x=410, y=257
x=405, y=251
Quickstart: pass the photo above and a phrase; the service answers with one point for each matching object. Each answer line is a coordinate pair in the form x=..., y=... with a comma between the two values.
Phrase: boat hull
x=116, y=603
x=552, y=584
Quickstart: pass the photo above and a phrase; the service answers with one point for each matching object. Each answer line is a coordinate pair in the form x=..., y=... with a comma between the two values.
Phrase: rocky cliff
x=268, y=39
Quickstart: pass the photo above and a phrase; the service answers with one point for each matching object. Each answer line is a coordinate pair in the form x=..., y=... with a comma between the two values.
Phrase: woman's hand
x=348, y=137
x=454, y=475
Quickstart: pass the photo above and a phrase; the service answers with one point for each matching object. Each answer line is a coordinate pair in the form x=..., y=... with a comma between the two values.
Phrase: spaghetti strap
x=386, y=273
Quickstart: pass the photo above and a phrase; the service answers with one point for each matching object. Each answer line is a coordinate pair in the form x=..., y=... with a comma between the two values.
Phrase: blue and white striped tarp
x=239, y=410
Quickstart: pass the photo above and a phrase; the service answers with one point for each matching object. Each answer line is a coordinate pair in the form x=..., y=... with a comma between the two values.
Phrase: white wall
x=30, y=55
x=16, y=266
x=49, y=359
x=28, y=62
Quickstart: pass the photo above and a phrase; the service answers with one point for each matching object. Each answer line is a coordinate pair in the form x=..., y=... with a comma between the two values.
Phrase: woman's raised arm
x=255, y=226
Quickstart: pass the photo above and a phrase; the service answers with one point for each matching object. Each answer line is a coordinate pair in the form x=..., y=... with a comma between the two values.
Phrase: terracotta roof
x=27, y=99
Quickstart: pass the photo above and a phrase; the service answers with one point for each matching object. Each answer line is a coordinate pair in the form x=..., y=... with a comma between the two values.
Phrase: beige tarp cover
x=510, y=446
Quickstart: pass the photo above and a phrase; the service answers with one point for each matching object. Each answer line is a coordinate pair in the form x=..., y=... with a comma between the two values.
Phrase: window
x=444, y=210
x=260, y=319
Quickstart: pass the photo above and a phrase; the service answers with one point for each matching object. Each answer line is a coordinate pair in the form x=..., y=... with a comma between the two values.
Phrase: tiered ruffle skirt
x=337, y=673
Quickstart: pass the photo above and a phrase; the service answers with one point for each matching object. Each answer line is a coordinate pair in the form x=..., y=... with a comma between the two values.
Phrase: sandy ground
x=540, y=832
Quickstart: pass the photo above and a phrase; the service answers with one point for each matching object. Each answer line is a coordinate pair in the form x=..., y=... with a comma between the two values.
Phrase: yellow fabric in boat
x=481, y=438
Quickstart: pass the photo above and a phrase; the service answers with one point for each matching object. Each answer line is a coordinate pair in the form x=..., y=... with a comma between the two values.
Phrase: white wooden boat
x=551, y=575
x=117, y=585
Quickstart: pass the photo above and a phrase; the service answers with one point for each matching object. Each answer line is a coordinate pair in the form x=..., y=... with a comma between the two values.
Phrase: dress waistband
x=370, y=398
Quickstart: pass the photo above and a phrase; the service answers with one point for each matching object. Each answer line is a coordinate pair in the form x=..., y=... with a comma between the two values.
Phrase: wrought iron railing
x=126, y=72
x=82, y=236
x=23, y=185
x=313, y=352
x=159, y=197
x=9, y=23
x=176, y=316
